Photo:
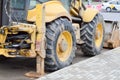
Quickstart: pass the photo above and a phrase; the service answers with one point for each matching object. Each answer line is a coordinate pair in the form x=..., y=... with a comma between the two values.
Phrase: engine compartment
x=18, y=41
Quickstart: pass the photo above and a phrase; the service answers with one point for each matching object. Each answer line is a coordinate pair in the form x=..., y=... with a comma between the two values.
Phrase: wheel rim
x=64, y=46
x=99, y=35
x=108, y=9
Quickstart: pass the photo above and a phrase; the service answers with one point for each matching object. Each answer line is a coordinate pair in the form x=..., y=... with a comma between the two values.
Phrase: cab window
x=34, y=2
x=17, y=4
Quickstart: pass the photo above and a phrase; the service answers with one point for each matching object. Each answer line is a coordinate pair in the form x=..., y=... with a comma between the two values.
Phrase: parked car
x=113, y=5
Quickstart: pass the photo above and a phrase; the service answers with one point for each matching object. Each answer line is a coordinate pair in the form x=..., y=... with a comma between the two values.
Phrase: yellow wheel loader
x=49, y=30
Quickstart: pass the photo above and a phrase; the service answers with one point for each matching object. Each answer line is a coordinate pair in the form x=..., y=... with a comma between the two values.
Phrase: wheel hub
x=63, y=45
x=98, y=34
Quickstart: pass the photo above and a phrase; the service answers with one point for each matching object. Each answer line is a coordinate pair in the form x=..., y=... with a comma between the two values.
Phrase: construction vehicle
x=112, y=34
x=49, y=30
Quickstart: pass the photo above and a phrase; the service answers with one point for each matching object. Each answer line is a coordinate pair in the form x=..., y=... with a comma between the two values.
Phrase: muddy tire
x=92, y=34
x=58, y=53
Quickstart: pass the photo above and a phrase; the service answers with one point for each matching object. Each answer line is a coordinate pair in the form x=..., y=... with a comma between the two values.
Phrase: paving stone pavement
x=105, y=66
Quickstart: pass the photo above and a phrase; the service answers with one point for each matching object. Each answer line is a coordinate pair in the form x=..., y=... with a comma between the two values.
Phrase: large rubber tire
x=88, y=35
x=54, y=29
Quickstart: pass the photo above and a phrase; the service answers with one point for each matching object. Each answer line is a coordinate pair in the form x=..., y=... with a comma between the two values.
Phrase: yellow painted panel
x=54, y=9
x=32, y=15
x=89, y=14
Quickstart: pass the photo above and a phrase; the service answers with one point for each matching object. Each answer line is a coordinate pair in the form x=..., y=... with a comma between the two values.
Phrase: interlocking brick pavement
x=105, y=66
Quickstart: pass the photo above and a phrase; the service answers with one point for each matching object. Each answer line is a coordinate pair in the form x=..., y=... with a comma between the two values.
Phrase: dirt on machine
x=50, y=31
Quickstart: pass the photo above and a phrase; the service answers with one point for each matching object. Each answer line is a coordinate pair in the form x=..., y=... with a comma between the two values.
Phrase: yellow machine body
x=58, y=10
x=77, y=10
x=40, y=15
x=91, y=12
x=51, y=12
x=33, y=30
